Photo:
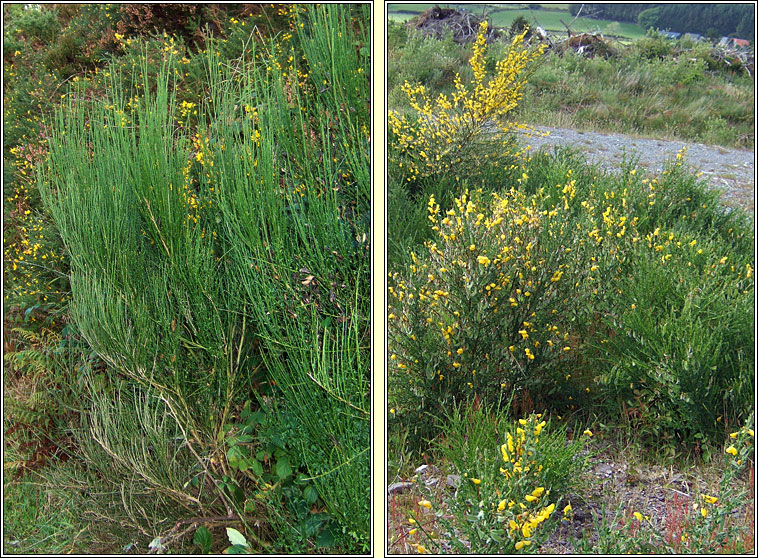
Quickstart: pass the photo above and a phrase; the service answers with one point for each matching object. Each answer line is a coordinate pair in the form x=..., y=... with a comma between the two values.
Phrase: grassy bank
x=653, y=88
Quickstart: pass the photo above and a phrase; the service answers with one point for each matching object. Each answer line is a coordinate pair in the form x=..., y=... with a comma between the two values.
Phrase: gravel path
x=731, y=170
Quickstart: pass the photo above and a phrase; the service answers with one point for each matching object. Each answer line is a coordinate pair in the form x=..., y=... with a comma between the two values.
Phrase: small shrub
x=36, y=23
x=489, y=307
x=653, y=46
x=449, y=134
x=507, y=492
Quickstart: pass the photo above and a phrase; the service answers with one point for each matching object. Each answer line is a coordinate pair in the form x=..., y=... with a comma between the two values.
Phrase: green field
x=548, y=19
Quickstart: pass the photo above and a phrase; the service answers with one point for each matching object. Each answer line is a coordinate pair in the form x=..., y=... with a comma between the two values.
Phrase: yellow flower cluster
x=440, y=136
x=516, y=451
x=517, y=465
x=31, y=253
x=505, y=505
x=186, y=109
x=494, y=255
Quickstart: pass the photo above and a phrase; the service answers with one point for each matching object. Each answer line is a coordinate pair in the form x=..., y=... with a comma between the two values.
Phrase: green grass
x=34, y=523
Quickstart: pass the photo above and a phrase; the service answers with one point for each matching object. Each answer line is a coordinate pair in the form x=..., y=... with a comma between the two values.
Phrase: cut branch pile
x=437, y=22
x=735, y=58
x=588, y=44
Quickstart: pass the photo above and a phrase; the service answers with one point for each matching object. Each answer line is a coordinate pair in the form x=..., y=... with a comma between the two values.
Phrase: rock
x=453, y=481
x=421, y=470
x=424, y=470
x=398, y=487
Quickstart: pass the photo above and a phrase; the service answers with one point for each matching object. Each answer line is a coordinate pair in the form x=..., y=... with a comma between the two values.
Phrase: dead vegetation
x=437, y=22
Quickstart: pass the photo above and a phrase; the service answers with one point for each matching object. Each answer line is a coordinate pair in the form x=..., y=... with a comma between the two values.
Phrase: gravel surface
x=730, y=170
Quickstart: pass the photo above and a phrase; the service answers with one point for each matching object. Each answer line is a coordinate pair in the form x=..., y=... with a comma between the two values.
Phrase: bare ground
x=618, y=482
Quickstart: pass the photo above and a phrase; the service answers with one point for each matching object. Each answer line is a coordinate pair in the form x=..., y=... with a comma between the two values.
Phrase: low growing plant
x=703, y=524
x=506, y=496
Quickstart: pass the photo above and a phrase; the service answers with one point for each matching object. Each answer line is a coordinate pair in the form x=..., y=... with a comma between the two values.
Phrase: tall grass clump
x=227, y=265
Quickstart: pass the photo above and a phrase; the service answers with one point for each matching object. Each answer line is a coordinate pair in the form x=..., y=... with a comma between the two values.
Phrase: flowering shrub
x=487, y=308
x=506, y=497
x=683, y=371
x=449, y=134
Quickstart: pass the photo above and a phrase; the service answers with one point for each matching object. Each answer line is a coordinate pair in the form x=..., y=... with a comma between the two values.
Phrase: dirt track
x=731, y=170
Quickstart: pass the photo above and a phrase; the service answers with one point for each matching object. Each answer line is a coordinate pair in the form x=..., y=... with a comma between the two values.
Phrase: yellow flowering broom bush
x=490, y=305
x=507, y=496
x=448, y=134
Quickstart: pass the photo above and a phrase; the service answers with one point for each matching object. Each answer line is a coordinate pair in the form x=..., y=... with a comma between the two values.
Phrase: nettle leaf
x=237, y=457
x=203, y=539
x=253, y=420
x=311, y=494
x=237, y=549
x=255, y=467
x=283, y=468
x=235, y=537
x=326, y=537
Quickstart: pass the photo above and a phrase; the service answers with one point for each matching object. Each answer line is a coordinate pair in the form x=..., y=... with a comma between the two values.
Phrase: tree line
x=713, y=20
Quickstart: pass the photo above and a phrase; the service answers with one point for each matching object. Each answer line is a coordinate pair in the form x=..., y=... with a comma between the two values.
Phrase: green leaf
x=245, y=410
x=253, y=420
x=237, y=549
x=325, y=538
x=235, y=537
x=283, y=468
x=313, y=523
x=236, y=493
x=310, y=494
x=203, y=539
x=237, y=457
x=256, y=467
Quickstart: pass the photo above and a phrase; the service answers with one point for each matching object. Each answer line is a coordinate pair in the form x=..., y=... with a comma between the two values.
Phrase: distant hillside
x=713, y=20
